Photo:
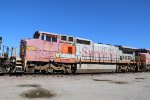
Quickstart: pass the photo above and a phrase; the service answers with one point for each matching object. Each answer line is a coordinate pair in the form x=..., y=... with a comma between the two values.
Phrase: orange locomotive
x=50, y=52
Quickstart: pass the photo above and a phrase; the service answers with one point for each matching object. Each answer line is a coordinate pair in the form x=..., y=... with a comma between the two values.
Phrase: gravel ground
x=128, y=86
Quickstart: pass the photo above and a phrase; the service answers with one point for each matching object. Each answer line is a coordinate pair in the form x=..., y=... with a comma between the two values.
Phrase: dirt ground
x=124, y=86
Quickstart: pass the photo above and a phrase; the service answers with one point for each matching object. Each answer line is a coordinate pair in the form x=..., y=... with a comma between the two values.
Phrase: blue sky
x=124, y=22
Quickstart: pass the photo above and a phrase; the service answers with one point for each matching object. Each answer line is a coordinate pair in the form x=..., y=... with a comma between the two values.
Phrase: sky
x=116, y=22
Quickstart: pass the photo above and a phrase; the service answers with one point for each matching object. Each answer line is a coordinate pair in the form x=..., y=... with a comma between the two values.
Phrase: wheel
x=49, y=70
x=35, y=71
x=118, y=69
x=62, y=72
x=29, y=70
x=1, y=71
x=147, y=68
x=68, y=71
x=74, y=68
x=127, y=69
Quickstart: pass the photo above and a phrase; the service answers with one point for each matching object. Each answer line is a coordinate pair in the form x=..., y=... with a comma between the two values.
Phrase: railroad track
x=61, y=75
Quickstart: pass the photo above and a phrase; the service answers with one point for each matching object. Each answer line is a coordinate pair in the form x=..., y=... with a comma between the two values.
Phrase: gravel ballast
x=118, y=86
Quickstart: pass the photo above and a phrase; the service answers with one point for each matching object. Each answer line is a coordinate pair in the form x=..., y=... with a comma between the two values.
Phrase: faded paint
x=42, y=50
x=97, y=52
x=46, y=50
x=67, y=49
x=31, y=48
x=147, y=58
x=95, y=68
x=59, y=55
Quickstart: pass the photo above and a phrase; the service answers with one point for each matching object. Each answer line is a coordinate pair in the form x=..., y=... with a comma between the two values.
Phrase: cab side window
x=54, y=39
x=64, y=38
x=48, y=38
x=42, y=37
x=51, y=38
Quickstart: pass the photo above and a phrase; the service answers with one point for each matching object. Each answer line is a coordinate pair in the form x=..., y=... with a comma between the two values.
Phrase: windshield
x=36, y=36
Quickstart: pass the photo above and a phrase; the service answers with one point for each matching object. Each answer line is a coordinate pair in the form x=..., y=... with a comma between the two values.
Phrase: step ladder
x=19, y=65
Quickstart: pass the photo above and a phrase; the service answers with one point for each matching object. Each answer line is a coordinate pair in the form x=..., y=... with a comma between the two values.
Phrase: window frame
x=72, y=39
x=63, y=36
x=80, y=41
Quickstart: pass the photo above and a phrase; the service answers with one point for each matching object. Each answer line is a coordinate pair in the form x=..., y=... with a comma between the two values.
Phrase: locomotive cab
x=47, y=49
x=40, y=47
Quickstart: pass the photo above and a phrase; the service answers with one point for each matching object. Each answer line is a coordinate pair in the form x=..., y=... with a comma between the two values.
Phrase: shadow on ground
x=38, y=92
x=111, y=81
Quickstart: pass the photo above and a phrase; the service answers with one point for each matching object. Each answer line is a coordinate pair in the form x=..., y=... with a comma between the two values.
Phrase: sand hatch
x=37, y=93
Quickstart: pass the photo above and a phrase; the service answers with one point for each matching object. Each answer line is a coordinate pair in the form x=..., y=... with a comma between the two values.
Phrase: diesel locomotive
x=50, y=52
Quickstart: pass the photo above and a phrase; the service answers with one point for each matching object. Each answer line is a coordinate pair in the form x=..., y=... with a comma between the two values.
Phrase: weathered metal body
x=49, y=53
x=54, y=52
x=146, y=57
x=143, y=59
x=96, y=52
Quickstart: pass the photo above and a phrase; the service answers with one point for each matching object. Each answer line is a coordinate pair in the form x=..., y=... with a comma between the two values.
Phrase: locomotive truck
x=50, y=52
